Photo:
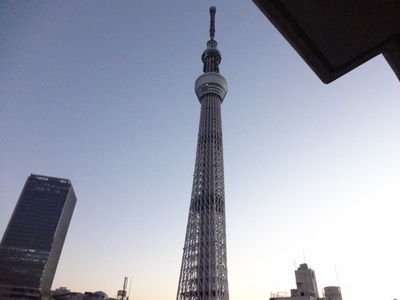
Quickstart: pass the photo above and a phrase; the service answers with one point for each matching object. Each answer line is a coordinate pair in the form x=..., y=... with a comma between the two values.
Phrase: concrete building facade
x=332, y=293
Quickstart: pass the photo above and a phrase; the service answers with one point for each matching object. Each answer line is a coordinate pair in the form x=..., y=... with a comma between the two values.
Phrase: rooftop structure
x=332, y=293
x=306, y=288
x=334, y=37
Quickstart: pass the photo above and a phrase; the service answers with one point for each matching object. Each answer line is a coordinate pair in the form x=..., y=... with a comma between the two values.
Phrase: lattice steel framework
x=203, y=273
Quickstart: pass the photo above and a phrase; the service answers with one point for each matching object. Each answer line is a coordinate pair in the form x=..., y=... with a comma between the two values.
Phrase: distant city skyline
x=102, y=93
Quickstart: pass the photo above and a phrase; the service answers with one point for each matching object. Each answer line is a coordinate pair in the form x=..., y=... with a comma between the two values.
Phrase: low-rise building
x=306, y=288
x=63, y=293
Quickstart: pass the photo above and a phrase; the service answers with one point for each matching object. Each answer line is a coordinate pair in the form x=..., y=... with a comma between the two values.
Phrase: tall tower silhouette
x=203, y=273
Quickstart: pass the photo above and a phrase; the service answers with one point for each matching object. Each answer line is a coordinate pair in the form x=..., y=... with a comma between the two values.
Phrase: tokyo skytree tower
x=203, y=273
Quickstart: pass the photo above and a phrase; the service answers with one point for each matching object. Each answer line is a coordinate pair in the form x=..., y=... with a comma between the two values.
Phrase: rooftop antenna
x=122, y=293
x=129, y=292
x=337, y=277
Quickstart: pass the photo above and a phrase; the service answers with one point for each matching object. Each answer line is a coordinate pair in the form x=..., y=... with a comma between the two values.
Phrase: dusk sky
x=102, y=93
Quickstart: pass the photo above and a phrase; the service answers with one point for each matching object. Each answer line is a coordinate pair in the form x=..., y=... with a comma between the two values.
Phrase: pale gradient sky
x=101, y=93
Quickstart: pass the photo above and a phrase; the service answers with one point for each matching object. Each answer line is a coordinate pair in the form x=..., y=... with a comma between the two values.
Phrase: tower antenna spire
x=211, y=56
x=213, y=9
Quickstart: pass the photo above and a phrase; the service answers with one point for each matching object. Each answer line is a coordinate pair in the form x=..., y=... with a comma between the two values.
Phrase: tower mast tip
x=212, y=21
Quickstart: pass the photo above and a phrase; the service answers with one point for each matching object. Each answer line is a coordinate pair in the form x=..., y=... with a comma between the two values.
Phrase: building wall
x=332, y=293
x=58, y=242
x=294, y=298
x=32, y=243
x=306, y=281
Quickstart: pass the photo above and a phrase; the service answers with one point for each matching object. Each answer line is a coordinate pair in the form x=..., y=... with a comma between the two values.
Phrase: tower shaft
x=204, y=264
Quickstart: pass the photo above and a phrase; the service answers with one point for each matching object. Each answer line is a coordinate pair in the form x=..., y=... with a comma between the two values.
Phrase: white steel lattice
x=204, y=265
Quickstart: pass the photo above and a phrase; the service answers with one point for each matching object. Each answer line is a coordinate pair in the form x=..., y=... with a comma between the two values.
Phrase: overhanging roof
x=336, y=36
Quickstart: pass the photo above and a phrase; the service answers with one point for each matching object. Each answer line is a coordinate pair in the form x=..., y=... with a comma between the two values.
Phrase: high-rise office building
x=33, y=240
x=203, y=274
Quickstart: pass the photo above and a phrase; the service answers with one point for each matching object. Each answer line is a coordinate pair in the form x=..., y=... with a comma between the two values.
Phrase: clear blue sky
x=101, y=93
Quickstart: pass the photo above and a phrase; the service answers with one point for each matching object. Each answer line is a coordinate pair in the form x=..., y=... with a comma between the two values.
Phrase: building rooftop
x=334, y=37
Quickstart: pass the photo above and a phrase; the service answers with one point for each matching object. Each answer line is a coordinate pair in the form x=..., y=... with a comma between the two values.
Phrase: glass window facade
x=32, y=243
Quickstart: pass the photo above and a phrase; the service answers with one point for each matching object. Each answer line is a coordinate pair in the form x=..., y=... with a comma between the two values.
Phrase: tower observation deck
x=203, y=274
